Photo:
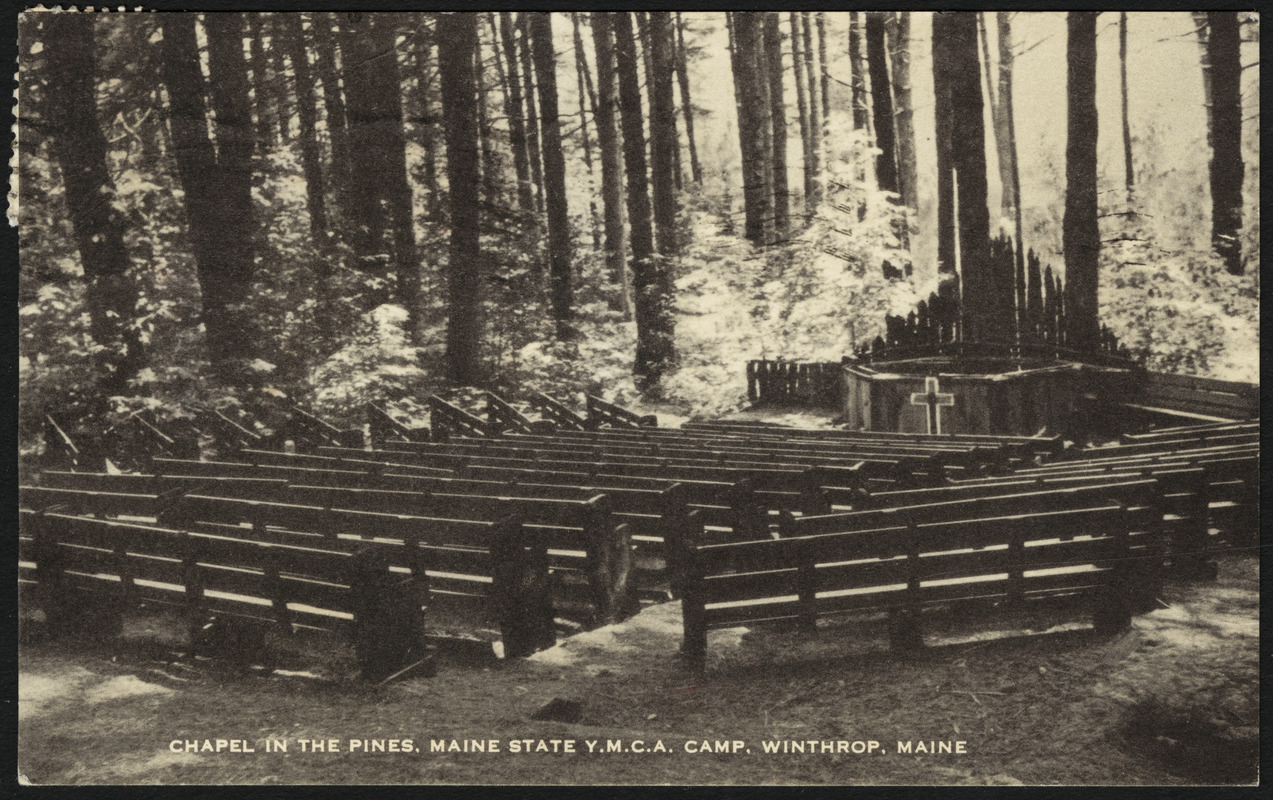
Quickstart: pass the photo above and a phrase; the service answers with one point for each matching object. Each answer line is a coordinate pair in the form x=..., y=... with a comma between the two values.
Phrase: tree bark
x=757, y=192
x=559, y=249
x=821, y=17
x=654, y=351
x=1129, y=172
x=486, y=139
x=943, y=113
x=217, y=182
x=687, y=107
x=802, y=106
x=457, y=42
x=881, y=102
x=80, y=147
x=987, y=286
x=1227, y=169
x=334, y=104
x=516, y=120
x=1006, y=105
x=292, y=36
x=1081, y=238
x=378, y=140
x=532, y=113
x=611, y=161
x=899, y=28
x=778, y=125
x=663, y=139
x=583, y=79
x=428, y=120
x=857, y=81
x=817, y=133
x=270, y=23
x=266, y=112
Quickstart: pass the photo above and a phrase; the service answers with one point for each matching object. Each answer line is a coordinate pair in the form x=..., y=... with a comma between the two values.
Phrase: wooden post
x=1016, y=564
x=520, y=590
x=905, y=634
x=753, y=395
x=1112, y=606
x=693, y=611
x=277, y=591
x=609, y=560
x=50, y=584
x=675, y=520
x=806, y=575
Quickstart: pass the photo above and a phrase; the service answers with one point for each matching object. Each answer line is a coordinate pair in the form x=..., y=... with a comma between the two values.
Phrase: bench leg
x=1112, y=612
x=904, y=632
x=694, y=643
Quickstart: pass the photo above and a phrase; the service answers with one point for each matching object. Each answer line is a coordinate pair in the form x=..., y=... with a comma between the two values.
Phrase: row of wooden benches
x=319, y=524
x=651, y=507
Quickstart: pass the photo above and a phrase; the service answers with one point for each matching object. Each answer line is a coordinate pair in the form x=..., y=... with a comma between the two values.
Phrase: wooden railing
x=791, y=383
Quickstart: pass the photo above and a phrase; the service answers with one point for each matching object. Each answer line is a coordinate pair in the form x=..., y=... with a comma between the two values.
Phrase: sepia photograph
x=629, y=398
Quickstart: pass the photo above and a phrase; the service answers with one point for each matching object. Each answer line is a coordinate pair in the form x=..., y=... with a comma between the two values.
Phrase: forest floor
x=1173, y=700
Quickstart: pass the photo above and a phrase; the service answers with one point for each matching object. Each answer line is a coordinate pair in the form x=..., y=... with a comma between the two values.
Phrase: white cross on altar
x=932, y=398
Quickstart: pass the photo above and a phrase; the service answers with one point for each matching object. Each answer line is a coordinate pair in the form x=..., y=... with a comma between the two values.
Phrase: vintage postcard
x=772, y=398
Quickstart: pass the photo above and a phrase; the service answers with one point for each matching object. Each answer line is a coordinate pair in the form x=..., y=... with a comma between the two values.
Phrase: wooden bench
x=1200, y=432
x=602, y=413
x=907, y=566
x=382, y=427
x=590, y=549
x=476, y=573
x=1182, y=499
x=371, y=590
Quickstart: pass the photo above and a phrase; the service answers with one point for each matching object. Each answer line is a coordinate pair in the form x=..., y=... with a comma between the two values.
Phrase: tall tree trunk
x=80, y=147
x=378, y=141
x=687, y=107
x=757, y=193
x=1202, y=29
x=1006, y=105
x=427, y=123
x=663, y=139
x=334, y=105
x=943, y=114
x=1081, y=236
x=802, y=107
x=611, y=160
x=823, y=72
x=778, y=124
x=292, y=37
x=457, y=42
x=583, y=79
x=857, y=80
x=1227, y=169
x=486, y=137
x=818, y=134
x=367, y=114
x=270, y=26
x=987, y=286
x=266, y=111
x=217, y=182
x=881, y=102
x=559, y=249
x=900, y=34
x=516, y=120
x=1129, y=171
x=532, y=113
x=654, y=351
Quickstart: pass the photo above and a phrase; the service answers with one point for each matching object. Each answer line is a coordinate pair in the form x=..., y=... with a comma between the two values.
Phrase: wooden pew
x=590, y=551
x=908, y=566
x=1183, y=503
x=373, y=590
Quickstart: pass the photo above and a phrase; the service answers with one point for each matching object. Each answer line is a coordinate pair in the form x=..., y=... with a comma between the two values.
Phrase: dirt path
x=1171, y=701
